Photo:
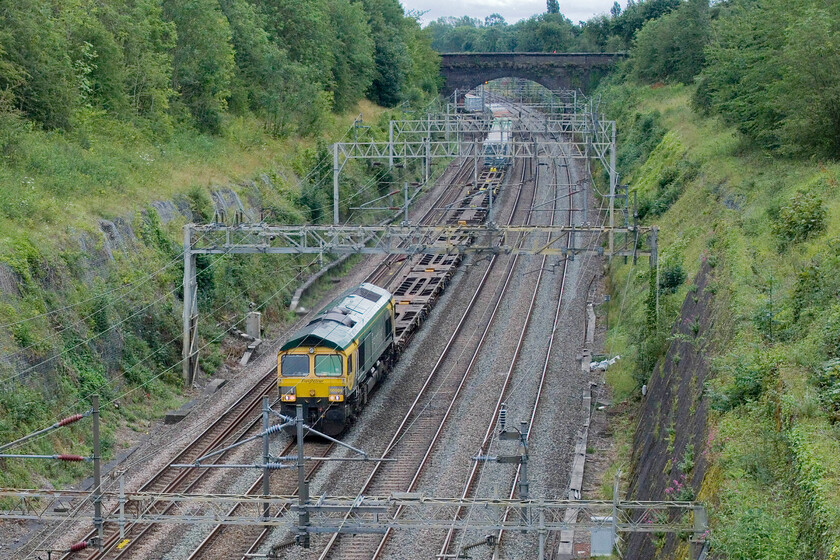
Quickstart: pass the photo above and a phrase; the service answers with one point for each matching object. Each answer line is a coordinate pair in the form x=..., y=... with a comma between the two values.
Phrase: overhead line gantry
x=585, y=136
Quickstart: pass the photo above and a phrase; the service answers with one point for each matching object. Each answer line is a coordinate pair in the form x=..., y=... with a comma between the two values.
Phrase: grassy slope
x=102, y=169
x=773, y=481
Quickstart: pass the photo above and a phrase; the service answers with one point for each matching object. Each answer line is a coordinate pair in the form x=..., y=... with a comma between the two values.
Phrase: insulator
x=70, y=458
x=70, y=419
x=79, y=546
x=273, y=429
x=502, y=417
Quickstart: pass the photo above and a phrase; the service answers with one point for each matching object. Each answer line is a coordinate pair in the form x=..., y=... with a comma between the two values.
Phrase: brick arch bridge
x=464, y=71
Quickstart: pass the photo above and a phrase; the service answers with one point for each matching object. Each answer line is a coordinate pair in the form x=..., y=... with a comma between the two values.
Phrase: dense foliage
x=670, y=48
x=547, y=32
x=771, y=68
x=773, y=71
x=163, y=64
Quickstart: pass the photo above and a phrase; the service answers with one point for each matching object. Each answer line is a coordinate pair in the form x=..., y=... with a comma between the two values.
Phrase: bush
x=831, y=331
x=671, y=278
x=639, y=138
x=201, y=206
x=680, y=489
x=13, y=130
x=764, y=320
x=793, y=45
x=755, y=533
x=808, y=289
x=803, y=217
x=671, y=184
x=827, y=380
x=751, y=378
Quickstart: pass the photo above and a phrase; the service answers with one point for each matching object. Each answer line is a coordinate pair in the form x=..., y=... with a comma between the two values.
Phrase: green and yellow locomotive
x=331, y=365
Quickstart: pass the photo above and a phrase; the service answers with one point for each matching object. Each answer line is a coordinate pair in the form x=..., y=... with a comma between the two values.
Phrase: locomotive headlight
x=288, y=394
x=336, y=394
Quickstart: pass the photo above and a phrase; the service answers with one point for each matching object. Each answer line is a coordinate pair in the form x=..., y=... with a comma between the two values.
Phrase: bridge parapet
x=555, y=71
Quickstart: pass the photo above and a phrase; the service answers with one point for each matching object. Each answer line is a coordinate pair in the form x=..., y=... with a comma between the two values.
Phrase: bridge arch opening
x=513, y=87
x=502, y=77
x=518, y=90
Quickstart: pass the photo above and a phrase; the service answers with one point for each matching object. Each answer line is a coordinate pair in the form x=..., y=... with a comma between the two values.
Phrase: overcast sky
x=511, y=10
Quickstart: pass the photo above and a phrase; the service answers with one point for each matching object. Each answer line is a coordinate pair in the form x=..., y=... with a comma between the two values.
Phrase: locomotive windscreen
x=328, y=365
x=294, y=366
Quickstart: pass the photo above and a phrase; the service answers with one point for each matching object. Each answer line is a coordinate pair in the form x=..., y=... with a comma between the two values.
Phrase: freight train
x=473, y=103
x=497, y=145
x=332, y=365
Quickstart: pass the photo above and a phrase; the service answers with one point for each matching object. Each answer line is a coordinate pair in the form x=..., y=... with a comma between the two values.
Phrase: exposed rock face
x=168, y=211
x=119, y=237
x=669, y=447
x=9, y=281
x=227, y=204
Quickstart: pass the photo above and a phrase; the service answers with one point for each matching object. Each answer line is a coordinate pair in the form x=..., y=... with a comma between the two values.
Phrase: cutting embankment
x=91, y=267
x=735, y=337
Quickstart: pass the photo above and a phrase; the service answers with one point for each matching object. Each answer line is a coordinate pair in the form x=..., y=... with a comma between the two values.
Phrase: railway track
x=501, y=550
x=553, y=541
x=538, y=398
x=382, y=547
x=238, y=420
x=422, y=426
x=421, y=279
x=238, y=542
x=446, y=550
x=385, y=271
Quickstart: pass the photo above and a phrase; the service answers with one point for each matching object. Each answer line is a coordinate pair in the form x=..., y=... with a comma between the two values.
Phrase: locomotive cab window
x=328, y=365
x=292, y=365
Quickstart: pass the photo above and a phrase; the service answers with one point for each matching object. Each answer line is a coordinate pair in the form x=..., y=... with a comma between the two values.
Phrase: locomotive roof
x=339, y=323
x=497, y=137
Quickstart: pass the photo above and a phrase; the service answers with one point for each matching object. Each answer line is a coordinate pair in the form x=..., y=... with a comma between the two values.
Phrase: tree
x=353, y=64
x=261, y=66
x=493, y=20
x=496, y=38
x=97, y=58
x=552, y=6
x=595, y=34
x=424, y=74
x=743, y=69
x=525, y=32
x=203, y=59
x=36, y=68
x=670, y=48
x=629, y=21
x=302, y=29
x=615, y=11
x=810, y=90
x=147, y=42
x=391, y=55
x=554, y=36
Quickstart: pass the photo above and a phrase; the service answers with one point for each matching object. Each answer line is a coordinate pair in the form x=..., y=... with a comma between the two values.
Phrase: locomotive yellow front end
x=316, y=378
x=331, y=365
